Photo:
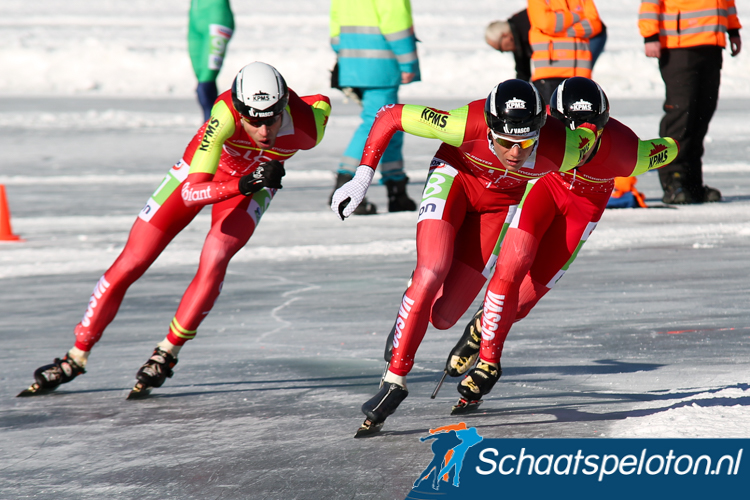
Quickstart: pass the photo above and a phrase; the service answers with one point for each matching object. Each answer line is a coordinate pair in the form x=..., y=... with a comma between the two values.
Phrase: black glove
x=267, y=174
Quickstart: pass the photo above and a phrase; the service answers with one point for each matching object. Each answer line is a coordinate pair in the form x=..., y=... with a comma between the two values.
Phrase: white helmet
x=259, y=91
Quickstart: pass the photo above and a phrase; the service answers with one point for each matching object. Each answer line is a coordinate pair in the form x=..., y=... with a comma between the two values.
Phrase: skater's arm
x=211, y=137
x=655, y=153
x=430, y=123
x=320, y=106
x=199, y=189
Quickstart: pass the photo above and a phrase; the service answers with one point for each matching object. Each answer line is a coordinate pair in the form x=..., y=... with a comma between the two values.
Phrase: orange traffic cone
x=6, y=233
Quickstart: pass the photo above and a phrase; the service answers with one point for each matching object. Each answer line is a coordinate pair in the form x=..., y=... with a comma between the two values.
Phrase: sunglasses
x=259, y=122
x=508, y=144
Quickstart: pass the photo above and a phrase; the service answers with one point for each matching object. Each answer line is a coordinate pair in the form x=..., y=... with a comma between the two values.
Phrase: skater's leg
x=231, y=228
x=501, y=300
x=434, y=256
x=152, y=231
x=155, y=227
x=144, y=245
x=436, y=232
x=474, y=244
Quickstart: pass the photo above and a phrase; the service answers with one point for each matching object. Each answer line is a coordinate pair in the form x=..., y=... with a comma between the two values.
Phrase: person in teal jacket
x=377, y=52
x=210, y=26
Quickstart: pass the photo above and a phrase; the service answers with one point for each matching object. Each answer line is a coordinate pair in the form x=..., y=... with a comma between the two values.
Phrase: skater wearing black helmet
x=491, y=149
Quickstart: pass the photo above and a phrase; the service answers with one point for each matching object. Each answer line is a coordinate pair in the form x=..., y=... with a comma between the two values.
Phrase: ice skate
x=379, y=407
x=465, y=353
x=153, y=373
x=49, y=377
x=478, y=382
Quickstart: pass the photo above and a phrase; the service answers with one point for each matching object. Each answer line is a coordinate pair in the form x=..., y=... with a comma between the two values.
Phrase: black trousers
x=692, y=76
x=546, y=86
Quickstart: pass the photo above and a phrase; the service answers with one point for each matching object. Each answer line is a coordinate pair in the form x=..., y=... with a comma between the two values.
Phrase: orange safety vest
x=559, y=37
x=688, y=23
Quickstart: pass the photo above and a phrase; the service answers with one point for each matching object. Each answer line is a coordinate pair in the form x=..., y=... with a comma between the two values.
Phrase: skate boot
x=398, y=200
x=465, y=353
x=379, y=407
x=49, y=377
x=153, y=373
x=478, y=382
x=364, y=208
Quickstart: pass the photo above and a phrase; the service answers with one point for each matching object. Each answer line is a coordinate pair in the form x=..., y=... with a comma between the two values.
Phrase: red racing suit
x=555, y=219
x=208, y=174
x=468, y=199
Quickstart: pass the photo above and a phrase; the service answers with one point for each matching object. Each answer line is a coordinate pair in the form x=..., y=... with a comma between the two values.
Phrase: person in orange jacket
x=559, y=37
x=688, y=36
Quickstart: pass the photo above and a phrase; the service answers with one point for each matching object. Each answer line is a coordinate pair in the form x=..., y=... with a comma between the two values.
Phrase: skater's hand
x=267, y=175
x=348, y=197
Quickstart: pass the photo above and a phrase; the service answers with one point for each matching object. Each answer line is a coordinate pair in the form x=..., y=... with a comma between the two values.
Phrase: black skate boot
x=398, y=200
x=379, y=407
x=478, y=382
x=49, y=377
x=153, y=373
x=364, y=208
x=465, y=353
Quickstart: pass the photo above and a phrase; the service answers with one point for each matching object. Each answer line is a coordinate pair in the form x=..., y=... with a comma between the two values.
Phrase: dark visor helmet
x=514, y=107
x=579, y=100
x=259, y=91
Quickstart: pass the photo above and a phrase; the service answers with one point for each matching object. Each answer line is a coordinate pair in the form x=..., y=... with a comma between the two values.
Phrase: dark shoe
x=711, y=195
x=62, y=371
x=364, y=208
x=675, y=193
x=156, y=370
x=398, y=200
x=384, y=403
x=464, y=354
x=479, y=381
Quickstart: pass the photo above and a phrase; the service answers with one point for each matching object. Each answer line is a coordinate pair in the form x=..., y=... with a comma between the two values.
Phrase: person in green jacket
x=210, y=27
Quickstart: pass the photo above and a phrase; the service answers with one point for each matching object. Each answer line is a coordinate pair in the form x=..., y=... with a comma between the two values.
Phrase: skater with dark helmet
x=558, y=215
x=235, y=163
x=491, y=148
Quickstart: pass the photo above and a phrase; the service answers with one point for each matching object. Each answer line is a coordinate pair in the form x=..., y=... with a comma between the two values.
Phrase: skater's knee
x=428, y=279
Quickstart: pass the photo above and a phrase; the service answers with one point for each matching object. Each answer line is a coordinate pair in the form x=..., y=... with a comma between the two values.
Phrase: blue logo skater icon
x=449, y=446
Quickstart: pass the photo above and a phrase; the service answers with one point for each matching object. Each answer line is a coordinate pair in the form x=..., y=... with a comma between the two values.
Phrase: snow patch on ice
x=721, y=414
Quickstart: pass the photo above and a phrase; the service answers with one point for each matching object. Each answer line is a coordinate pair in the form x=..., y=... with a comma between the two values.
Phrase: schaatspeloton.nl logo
x=464, y=462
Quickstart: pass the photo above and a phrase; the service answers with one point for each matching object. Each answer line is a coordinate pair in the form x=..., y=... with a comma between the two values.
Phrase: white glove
x=348, y=197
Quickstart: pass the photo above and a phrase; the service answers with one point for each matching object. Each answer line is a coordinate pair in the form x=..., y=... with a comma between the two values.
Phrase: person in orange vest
x=688, y=36
x=559, y=37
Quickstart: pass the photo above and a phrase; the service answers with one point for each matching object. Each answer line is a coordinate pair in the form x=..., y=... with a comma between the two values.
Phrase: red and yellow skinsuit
x=555, y=219
x=468, y=199
x=208, y=174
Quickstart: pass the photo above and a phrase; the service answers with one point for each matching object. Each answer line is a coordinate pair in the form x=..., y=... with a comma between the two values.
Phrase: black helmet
x=259, y=91
x=579, y=100
x=514, y=107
